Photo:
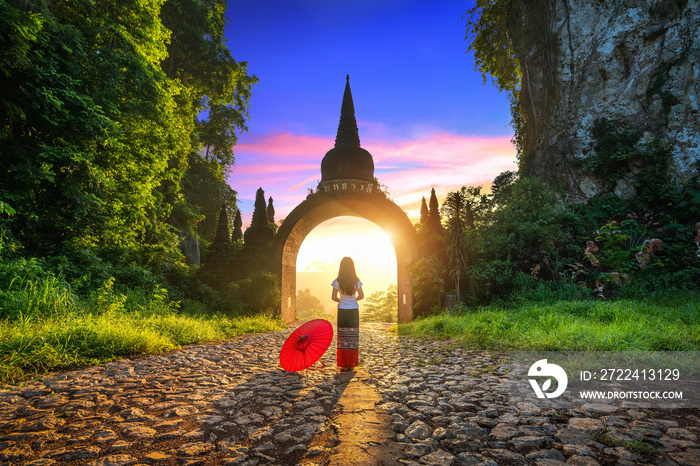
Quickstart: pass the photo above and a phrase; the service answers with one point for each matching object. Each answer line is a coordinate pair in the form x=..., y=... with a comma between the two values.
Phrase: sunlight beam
x=320, y=254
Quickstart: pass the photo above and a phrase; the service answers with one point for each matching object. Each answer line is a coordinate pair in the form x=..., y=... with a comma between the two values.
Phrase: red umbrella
x=306, y=345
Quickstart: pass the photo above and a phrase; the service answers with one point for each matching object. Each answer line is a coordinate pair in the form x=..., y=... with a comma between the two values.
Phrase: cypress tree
x=221, y=247
x=222, y=231
x=259, y=211
x=270, y=211
x=423, y=211
x=434, y=214
x=237, y=227
x=259, y=233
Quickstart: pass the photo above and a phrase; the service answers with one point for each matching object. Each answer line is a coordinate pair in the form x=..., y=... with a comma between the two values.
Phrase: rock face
x=636, y=61
x=190, y=247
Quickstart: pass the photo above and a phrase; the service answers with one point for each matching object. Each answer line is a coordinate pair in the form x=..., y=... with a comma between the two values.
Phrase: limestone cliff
x=629, y=61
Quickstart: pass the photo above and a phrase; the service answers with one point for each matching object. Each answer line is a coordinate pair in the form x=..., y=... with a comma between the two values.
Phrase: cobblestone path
x=231, y=403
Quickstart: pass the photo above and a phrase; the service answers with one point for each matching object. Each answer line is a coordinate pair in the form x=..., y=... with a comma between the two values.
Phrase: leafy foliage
x=381, y=306
x=101, y=120
x=526, y=243
x=85, y=99
x=309, y=307
x=117, y=122
x=46, y=325
x=220, y=88
x=504, y=36
x=259, y=293
x=427, y=285
x=614, y=148
x=494, y=54
x=529, y=222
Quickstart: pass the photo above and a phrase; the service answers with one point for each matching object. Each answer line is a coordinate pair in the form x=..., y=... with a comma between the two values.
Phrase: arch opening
x=375, y=260
x=321, y=207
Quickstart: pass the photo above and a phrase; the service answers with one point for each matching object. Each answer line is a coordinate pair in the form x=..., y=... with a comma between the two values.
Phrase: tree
x=424, y=212
x=501, y=34
x=100, y=128
x=434, y=213
x=221, y=248
x=204, y=189
x=270, y=211
x=308, y=306
x=218, y=86
x=237, y=227
x=90, y=125
x=222, y=231
x=457, y=212
x=381, y=306
x=427, y=284
x=527, y=222
x=494, y=54
x=216, y=102
x=502, y=187
x=259, y=233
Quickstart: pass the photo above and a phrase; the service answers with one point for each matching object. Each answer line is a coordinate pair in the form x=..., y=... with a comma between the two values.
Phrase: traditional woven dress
x=348, y=328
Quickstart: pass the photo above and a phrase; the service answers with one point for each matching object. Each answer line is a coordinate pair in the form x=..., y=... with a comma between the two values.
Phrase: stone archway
x=318, y=208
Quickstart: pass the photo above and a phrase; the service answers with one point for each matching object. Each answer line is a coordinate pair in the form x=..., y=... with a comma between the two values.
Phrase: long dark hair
x=347, y=277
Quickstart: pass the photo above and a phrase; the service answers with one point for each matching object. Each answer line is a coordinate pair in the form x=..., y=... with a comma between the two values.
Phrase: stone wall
x=636, y=61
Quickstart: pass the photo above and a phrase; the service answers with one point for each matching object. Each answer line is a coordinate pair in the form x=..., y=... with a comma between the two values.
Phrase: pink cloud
x=305, y=182
x=448, y=148
x=442, y=160
x=244, y=170
x=285, y=145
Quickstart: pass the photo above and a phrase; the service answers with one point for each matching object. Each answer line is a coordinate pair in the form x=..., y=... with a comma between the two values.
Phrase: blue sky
x=423, y=112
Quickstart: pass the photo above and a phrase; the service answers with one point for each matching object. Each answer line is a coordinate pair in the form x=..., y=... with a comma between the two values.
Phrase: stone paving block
x=114, y=460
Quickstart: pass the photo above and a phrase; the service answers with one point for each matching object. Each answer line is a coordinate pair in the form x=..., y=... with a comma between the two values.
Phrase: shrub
x=259, y=293
x=427, y=285
x=309, y=307
x=615, y=145
x=488, y=280
x=529, y=222
x=381, y=306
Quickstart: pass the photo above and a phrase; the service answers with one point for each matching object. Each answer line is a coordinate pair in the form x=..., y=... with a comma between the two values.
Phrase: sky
x=423, y=112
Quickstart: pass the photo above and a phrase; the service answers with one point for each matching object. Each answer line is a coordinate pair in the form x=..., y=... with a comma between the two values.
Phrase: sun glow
x=320, y=254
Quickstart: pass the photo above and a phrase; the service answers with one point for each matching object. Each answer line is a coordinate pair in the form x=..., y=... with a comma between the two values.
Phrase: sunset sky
x=423, y=113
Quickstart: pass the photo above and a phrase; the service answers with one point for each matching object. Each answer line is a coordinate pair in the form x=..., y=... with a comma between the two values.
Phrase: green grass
x=44, y=326
x=583, y=325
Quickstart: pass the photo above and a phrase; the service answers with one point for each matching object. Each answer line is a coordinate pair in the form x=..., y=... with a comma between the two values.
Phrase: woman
x=347, y=291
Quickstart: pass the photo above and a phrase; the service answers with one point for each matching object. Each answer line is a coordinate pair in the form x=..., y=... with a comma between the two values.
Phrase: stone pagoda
x=347, y=167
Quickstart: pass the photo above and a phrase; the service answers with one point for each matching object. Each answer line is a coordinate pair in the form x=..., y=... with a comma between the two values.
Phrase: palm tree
x=456, y=211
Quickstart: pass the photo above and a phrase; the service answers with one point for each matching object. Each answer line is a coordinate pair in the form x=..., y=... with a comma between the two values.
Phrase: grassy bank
x=45, y=326
x=623, y=325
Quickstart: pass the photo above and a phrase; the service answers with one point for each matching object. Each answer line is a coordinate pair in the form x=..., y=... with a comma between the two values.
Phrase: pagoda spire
x=347, y=136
